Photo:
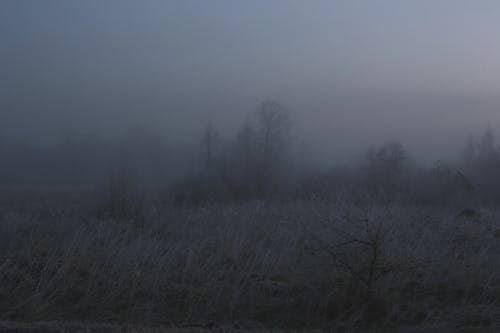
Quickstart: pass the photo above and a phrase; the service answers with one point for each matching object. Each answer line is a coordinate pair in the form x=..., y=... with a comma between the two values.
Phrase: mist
x=231, y=165
x=102, y=67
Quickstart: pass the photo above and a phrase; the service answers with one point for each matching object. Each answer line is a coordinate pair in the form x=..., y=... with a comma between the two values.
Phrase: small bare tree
x=209, y=141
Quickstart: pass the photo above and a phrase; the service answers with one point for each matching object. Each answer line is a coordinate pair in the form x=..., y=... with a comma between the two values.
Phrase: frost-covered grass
x=254, y=265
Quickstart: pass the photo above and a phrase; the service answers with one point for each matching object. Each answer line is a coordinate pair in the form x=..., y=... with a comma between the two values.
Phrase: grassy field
x=262, y=266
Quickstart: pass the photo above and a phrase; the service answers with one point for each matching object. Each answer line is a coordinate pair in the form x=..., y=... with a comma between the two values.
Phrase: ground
x=275, y=266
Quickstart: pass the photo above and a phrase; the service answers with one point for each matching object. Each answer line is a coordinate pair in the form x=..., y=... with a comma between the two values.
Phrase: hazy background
x=351, y=72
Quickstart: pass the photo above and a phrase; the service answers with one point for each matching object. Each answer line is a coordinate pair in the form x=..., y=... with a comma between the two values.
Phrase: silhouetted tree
x=245, y=151
x=274, y=128
x=246, y=145
x=384, y=164
x=209, y=141
x=480, y=161
x=388, y=158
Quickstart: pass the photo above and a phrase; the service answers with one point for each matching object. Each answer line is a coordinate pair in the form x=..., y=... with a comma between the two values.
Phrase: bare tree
x=388, y=158
x=481, y=164
x=246, y=147
x=209, y=141
x=482, y=152
x=384, y=164
x=274, y=128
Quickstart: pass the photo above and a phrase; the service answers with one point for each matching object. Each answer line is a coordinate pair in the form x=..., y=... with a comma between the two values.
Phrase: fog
x=351, y=73
x=249, y=165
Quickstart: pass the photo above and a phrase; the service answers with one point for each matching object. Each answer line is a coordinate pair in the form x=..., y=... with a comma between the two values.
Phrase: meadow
x=303, y=265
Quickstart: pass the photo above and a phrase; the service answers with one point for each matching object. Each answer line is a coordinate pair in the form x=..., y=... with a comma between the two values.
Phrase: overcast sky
x=426, y=72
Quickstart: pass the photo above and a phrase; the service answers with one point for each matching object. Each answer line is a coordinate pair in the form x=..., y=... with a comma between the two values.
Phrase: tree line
x=258, y=163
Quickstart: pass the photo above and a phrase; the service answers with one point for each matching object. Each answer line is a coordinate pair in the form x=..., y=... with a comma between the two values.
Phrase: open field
x=295, y=265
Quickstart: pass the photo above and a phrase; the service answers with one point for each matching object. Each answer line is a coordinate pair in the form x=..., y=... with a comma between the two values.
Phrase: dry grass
x=290, y=265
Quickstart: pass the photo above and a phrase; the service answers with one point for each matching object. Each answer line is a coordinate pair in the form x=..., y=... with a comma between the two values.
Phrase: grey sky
x=98, y=65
